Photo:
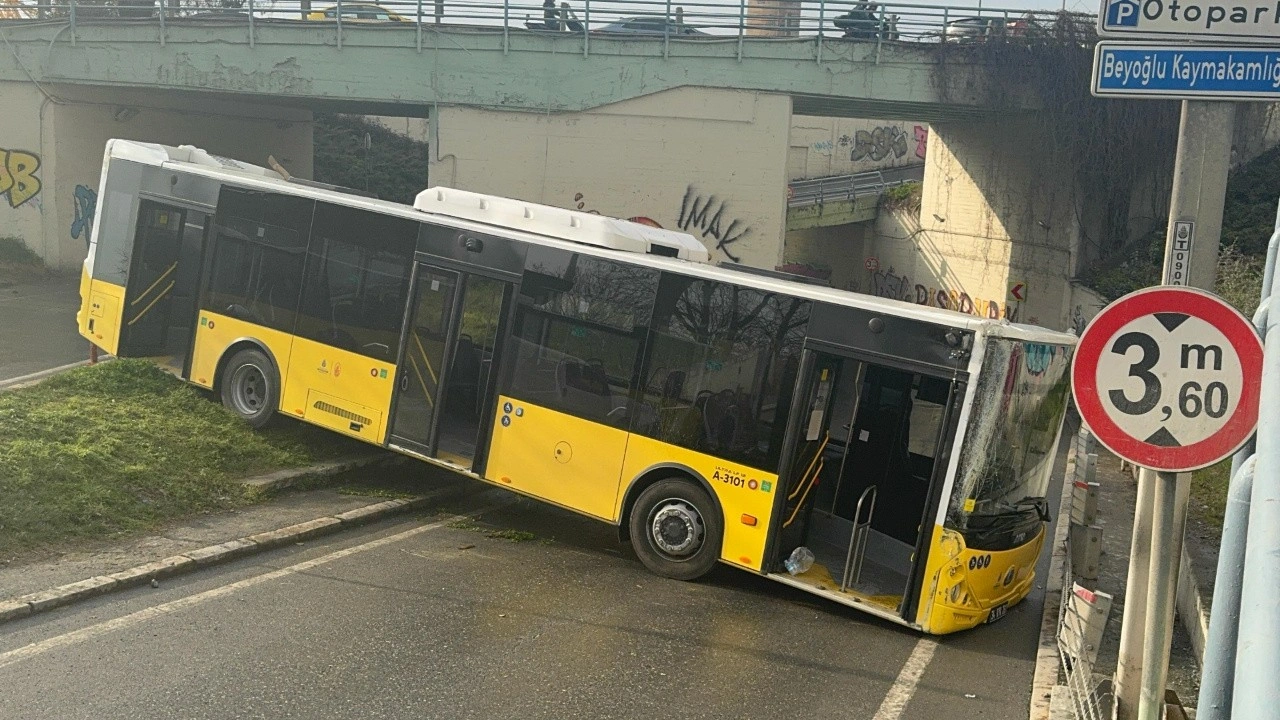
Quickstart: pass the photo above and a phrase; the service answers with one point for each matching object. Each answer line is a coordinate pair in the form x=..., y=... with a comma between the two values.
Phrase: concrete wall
x=24, y=173
x=68, y=136
x=709, y=162
x=839, y=146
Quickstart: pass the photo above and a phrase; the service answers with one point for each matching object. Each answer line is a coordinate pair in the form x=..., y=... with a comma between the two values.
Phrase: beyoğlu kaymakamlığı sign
x=1244, y=20
x=1123, y=69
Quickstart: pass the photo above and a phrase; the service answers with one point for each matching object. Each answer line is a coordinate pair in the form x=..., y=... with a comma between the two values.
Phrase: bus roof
x=190, y=159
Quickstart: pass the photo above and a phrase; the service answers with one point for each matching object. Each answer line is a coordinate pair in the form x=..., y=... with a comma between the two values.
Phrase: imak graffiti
x=709, y=216
x=888, y=284
x=86, y=199
x=18, y=181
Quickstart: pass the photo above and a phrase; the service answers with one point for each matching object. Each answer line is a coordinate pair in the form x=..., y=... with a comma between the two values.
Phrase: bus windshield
x=1021, y=399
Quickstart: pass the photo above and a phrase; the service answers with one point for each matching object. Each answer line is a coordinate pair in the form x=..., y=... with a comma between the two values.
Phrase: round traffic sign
x=1168, y=378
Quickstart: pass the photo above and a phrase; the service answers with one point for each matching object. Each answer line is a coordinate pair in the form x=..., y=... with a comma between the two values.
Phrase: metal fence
x=1083, y=614
x=673, y=22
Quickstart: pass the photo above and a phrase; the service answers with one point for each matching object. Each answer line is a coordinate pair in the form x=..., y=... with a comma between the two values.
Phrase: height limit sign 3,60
x=1168, y=378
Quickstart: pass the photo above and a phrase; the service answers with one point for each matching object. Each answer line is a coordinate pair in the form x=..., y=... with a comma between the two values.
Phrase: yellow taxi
x=358, y=12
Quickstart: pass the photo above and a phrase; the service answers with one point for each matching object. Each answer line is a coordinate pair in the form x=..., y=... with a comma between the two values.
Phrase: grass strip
x=107, y=450
x=1209, y=492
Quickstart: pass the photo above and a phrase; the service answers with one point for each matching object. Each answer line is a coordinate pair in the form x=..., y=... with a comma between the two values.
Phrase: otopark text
x=1174, y=16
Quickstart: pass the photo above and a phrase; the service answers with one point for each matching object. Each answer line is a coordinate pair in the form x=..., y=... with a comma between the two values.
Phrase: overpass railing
x=672, y=22
x=818, y=191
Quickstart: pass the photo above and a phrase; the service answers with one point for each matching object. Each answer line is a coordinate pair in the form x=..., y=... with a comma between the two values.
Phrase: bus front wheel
x=676, y=529
x=250, y=387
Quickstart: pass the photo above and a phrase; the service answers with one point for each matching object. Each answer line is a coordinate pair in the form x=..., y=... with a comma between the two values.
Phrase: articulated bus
x=712, y=413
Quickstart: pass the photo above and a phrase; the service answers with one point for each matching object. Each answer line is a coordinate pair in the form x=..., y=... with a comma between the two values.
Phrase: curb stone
x=33, y=603
x=1045, y=677
x=281, y=479
x=35, y=378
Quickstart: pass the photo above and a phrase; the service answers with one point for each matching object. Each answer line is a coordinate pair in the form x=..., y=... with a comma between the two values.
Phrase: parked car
x=358, y=12
x=970, y=29
x=649, y=25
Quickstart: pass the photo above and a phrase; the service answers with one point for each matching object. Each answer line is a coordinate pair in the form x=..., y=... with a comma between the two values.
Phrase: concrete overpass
x=403, y=69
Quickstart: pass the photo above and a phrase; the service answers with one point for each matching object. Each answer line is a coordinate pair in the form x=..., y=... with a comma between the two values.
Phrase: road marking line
x=124, y=621
x=895, y=701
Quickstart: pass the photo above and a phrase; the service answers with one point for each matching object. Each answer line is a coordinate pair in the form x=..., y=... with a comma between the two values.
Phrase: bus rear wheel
x=676, y=529
x=250, y=387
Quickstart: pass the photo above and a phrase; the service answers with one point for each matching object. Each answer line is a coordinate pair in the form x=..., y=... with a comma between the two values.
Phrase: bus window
x=577, y=334
x=357, y=280
x=721, y=369
x=999, y=497
x=257, y=265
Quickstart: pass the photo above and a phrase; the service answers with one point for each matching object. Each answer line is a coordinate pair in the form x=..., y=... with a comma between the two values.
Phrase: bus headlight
x=1010, y=575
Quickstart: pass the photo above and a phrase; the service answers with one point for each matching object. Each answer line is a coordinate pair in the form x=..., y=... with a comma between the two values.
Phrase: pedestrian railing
x=663, y=23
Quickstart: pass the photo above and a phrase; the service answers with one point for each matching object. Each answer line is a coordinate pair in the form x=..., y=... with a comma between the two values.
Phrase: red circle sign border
x=1234, y=433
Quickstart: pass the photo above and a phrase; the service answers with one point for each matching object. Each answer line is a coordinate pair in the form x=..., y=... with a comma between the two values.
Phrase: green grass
x=102, y=451
x=1209, y=492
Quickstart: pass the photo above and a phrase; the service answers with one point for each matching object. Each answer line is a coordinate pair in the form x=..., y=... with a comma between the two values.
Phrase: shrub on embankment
x=105, y=450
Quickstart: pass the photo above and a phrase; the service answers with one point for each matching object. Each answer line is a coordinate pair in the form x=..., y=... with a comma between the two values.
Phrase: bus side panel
x=742, y=491
x=570, y=461
x=102, y=305
x=215, y=333
x=338, y=389
x=971, y=583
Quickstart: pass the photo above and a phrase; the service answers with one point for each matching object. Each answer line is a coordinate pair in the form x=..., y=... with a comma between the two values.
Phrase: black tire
x=676, y=529
x=250, y=387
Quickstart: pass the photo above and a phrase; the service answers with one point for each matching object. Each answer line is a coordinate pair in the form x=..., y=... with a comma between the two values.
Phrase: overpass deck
x=904, y=61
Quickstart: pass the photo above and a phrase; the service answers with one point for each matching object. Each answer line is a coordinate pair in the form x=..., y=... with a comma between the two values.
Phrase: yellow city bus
x=712, y=413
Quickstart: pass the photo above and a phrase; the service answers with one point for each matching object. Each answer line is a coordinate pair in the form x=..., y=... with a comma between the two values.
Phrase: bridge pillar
x=51, y=150
x=996, y=223
x=706, y=161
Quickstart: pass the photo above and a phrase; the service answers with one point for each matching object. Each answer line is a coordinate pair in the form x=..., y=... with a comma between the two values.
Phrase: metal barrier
x=1239, y=668
x=1083, y=614
x=672, y=21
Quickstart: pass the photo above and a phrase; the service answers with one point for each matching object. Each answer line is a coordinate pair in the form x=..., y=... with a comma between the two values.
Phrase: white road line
x=124, y=621
x=895, y=701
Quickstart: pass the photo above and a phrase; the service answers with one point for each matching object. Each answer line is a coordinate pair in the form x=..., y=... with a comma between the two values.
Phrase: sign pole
x=1205, y=133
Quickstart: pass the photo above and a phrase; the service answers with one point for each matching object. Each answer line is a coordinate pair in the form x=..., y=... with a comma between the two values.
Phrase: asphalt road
x=38, y=325
x=427, y=616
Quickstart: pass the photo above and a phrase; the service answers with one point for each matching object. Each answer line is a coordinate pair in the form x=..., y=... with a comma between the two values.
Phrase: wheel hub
x=677, y=528
x=247, y=389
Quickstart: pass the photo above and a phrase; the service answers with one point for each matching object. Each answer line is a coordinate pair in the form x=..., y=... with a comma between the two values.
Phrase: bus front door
x=164, y=274
x=446, y=378
x=881, y=430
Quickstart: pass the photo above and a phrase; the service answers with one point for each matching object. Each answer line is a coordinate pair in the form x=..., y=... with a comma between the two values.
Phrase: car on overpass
x=358, y=12
x=649, y=25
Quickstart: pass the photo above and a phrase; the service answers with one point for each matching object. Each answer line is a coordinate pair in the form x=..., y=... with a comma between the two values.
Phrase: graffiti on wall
x=886, y=141
x=86, y=204
x=922, y=141
x=704, y=215
x=18, y=180
x=888, y=284
x=710, y=217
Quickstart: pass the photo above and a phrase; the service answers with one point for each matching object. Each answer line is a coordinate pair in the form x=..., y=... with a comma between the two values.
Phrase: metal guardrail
x=674, y=22
x=837, y=188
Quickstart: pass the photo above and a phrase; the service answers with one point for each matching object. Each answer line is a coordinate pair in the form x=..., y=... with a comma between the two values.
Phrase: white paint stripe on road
x=895, y=701
x=124, y=621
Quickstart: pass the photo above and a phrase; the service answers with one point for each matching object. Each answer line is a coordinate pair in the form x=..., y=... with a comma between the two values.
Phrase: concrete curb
x=281, y=479
x=35, y=378
x=1046, y=673
x=1193, y=606
x=33, y=603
